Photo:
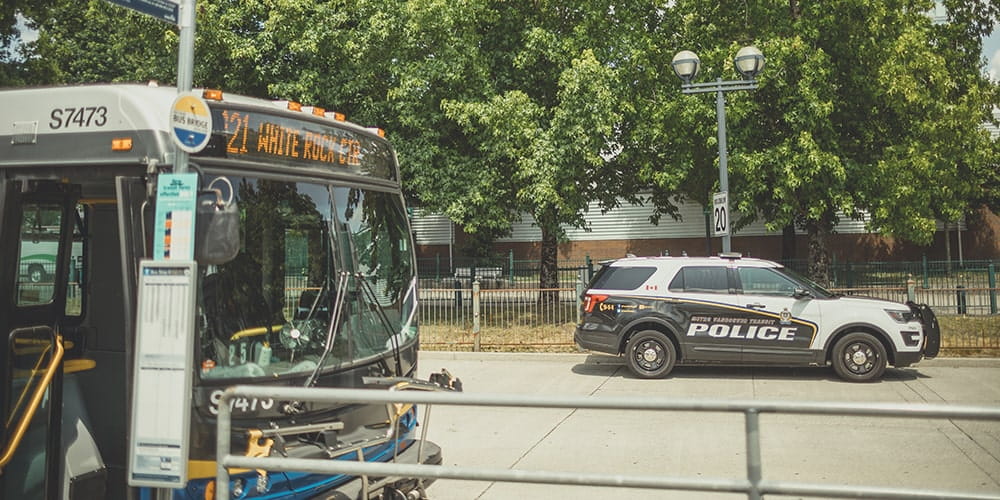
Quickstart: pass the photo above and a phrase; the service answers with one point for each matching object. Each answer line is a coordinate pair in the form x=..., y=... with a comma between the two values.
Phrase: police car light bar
x=731, y=255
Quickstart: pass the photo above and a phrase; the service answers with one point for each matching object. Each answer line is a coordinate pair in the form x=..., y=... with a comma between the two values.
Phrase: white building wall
x=631, y=222
x=991, y=128
x=430, y=228
x=626, y=222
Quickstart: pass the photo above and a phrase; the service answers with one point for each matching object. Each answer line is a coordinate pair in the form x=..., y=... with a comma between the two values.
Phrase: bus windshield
x=324, y=277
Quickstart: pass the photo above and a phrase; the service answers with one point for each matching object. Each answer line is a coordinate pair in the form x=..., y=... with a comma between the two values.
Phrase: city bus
x=309, y=280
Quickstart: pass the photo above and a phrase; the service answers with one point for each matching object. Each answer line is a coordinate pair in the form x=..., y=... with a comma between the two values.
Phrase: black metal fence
x=510, y=310
x=968, y=287
x=496, y=273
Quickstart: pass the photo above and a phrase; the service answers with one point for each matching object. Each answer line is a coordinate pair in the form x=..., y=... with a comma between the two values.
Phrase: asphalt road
x=932, y=454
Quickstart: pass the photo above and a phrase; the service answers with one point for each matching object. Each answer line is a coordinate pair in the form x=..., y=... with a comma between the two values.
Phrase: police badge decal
x=786, y=317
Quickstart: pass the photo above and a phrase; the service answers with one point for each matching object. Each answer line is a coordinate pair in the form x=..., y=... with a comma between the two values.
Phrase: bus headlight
x=238, y=486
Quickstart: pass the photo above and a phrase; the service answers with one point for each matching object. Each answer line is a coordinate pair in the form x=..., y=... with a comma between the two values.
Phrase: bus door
x=37, y=218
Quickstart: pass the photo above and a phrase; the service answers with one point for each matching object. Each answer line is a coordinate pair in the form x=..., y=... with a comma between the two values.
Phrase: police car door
x=705, y=295
x=783, y=326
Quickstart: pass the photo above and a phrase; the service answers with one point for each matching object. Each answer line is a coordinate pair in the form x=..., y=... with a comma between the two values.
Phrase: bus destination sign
x=254, y=135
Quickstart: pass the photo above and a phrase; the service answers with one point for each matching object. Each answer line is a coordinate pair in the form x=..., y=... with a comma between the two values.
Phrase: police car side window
x=762, y=281
x=701, y=279
x=621, y=278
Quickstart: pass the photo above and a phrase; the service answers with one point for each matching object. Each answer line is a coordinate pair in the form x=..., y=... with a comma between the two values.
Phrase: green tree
x=669, y=144
x=501, y=109
x=17, y=64
x=864, y=108
x=497, y=109
x=96, y=41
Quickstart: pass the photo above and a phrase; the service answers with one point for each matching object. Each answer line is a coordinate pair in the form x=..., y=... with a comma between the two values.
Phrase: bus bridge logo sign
x=190, y=122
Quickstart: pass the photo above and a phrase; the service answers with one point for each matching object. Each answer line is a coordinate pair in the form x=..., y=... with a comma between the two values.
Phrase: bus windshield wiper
x=331, y=333
x=366, y=286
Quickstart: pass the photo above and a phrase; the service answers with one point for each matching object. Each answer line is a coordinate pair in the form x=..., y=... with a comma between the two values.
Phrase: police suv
x=660, y=311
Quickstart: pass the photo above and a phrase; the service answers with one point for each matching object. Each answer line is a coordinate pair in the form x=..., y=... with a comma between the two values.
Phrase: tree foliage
x=899, y=134
x=15, y=53
x=866, y=108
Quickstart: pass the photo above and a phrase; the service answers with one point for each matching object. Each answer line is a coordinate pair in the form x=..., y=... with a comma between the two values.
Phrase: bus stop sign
x=164, y=10
x=190, y=122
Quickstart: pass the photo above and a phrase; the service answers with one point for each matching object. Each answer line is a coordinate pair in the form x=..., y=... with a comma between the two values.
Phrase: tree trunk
x=819, y=249
x=788, y=243
x=947, y=247
x=548, y=268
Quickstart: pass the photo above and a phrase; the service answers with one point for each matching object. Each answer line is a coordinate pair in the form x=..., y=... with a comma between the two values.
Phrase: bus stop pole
x=185, y=66
x=185, y=70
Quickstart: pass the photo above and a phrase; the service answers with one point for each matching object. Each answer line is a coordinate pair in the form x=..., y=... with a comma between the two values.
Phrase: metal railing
x=753, y=485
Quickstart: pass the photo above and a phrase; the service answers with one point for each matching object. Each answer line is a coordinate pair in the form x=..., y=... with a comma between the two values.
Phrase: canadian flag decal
x=651, y=287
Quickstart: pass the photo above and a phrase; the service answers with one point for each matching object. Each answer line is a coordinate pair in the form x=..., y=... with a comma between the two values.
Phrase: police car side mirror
x=801, y=293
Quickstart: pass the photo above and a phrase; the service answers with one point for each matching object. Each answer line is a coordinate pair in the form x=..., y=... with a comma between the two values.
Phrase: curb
x=518, y=356
x=607, y=359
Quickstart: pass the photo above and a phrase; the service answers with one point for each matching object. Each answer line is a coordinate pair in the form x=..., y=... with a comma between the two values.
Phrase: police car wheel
x=859, y=357
x=650, y=354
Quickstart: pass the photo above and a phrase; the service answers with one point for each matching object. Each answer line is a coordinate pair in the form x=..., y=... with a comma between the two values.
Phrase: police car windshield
x=818, y=290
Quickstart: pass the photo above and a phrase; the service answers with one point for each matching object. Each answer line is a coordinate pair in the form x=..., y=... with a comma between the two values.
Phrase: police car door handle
x=756, y=305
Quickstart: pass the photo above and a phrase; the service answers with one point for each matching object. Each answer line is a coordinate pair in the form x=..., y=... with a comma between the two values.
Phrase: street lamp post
x=749, y=62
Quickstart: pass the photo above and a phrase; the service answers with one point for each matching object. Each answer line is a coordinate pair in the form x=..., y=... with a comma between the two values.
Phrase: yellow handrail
x=27, y=374
x=23, y=347
x=255, y=331
x=36, y=401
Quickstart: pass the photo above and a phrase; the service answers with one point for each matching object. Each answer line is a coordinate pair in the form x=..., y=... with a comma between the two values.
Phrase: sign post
x=185, y=68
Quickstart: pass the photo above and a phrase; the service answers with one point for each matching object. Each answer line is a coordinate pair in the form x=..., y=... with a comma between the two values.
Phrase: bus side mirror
x=217, y=229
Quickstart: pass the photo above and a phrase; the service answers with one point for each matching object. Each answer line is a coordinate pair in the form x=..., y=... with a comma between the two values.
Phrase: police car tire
x=650, y=354
x=859, y=357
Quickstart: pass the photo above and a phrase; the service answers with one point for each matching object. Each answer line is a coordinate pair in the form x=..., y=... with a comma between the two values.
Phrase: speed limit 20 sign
x=720, y=213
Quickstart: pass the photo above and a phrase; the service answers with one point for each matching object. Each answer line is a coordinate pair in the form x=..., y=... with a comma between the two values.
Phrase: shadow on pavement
x=605, y=366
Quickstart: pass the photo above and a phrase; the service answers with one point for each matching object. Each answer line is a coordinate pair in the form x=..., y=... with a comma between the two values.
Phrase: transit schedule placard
x=161, y=393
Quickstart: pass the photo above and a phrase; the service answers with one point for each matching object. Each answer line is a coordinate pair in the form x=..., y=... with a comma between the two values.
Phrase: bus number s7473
x=88, y=116
x=239, y=404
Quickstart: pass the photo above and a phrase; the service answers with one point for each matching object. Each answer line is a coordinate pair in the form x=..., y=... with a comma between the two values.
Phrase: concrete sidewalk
x=607, y=359
x=954, y=455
